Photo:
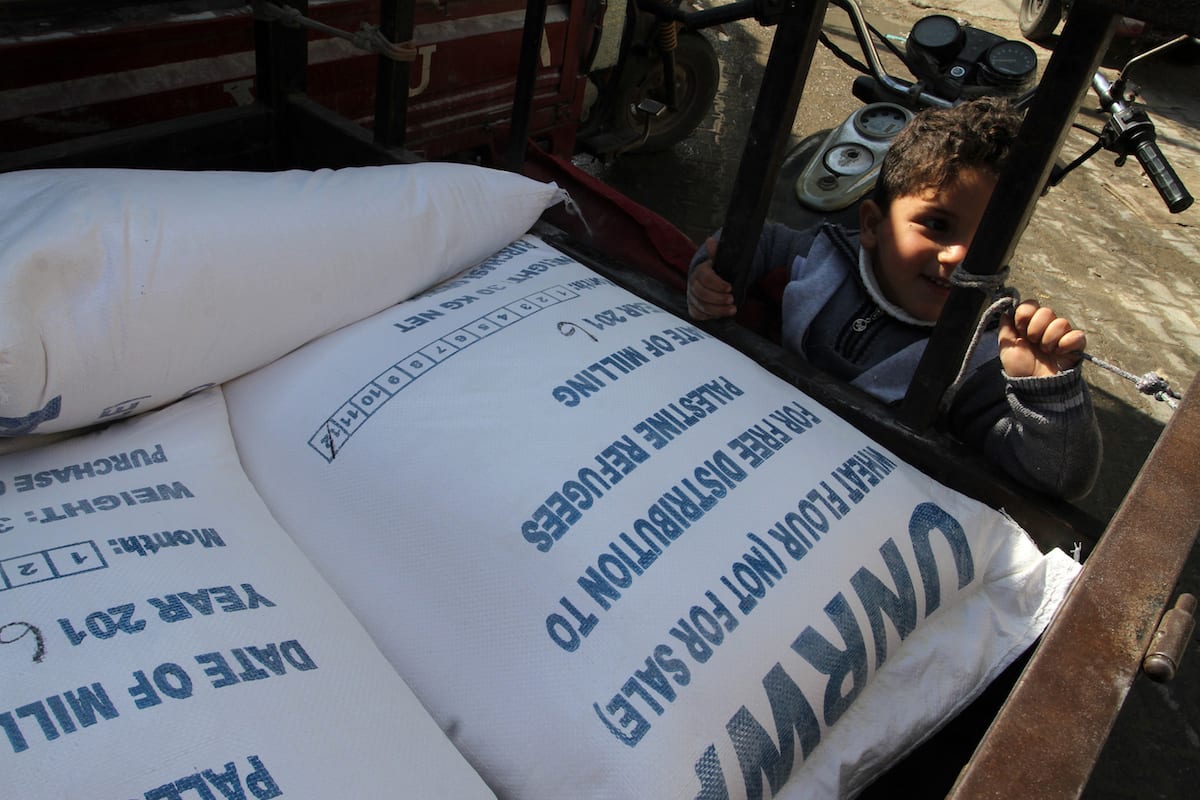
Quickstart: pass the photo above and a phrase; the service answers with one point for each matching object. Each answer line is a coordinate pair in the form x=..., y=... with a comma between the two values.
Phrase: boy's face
x=921, y=238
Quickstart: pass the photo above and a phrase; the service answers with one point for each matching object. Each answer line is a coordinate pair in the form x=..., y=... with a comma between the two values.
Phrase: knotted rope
x=368, y=37
x=1149, y=384
x=1004, y=301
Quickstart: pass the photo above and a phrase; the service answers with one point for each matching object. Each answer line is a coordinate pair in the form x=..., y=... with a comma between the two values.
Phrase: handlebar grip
x=1172, y=190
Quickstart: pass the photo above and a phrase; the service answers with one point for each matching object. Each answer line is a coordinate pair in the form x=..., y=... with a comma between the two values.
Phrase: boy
x=861, y=305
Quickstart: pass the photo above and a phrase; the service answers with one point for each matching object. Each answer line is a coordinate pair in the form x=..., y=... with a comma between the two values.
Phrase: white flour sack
x=161, y=638
x=122, y=290
x=617, y=559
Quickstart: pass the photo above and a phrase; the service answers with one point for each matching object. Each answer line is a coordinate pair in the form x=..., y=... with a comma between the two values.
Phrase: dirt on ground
x=1101, y=248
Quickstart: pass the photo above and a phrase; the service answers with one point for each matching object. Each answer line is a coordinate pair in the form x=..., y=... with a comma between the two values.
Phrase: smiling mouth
x=941, y=283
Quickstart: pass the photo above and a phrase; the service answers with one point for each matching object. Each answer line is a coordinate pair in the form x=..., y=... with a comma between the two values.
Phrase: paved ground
x=1101, y=245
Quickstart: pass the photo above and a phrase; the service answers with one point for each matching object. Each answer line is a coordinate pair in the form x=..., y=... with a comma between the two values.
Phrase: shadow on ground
x=1129, y=435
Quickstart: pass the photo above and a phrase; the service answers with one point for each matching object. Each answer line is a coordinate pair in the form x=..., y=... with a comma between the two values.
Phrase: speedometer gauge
x=881, y=120
x=1010, y=62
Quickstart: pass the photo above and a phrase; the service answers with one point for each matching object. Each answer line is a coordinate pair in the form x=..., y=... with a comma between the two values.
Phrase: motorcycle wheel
x=697, y=72
x=1039, y=18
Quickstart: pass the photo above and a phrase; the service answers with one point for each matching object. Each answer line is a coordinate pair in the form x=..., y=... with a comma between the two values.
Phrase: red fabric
x=620, y=228
x=638, y=237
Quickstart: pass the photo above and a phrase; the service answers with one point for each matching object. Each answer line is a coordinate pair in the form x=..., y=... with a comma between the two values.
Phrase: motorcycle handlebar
x=1169, y=187
x=899, y=88
x=1132, y=130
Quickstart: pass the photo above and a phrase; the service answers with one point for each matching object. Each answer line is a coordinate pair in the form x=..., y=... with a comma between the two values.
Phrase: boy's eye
x=936, y=224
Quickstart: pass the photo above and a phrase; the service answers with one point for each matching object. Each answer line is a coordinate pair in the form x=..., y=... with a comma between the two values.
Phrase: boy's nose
x=952, y=253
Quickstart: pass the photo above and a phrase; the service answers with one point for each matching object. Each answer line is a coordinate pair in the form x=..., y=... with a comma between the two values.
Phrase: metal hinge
x=1171, y=638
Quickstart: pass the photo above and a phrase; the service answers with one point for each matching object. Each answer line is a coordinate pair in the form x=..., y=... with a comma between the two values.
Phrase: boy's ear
x=869, y=217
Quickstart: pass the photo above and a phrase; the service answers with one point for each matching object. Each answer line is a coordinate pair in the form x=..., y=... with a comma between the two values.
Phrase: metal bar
x=397, y=19
x=70, y=10
x=792, y=49
x=325, y=139
x=708, y=17
x=280, y=58
x=1050, y=732
x=1045, y=128
x=281, y=68
x=232, y=138
x=531, y=43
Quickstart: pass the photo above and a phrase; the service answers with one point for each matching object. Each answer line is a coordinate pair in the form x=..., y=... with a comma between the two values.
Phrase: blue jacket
x=1042, y=431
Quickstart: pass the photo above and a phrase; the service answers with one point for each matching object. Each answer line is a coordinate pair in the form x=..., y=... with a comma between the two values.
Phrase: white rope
x=367, y=38
x=1149, y=384
x=1004, y=301
x=574, y=210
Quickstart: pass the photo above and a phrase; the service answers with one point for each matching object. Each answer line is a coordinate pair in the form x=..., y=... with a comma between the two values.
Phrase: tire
x=697, y=73
x=1039, y=18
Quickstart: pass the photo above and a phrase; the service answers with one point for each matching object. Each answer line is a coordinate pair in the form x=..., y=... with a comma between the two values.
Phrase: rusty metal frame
x=1048, y=735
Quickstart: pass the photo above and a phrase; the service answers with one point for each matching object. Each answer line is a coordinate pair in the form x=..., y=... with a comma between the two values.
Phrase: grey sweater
x=1041, y=431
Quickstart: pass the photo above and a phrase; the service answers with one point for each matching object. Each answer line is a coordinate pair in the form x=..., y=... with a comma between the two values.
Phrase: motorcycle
x=827, y=173
x=629, y=104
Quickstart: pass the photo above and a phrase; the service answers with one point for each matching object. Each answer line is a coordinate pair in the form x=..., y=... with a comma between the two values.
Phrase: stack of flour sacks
x=343, y=484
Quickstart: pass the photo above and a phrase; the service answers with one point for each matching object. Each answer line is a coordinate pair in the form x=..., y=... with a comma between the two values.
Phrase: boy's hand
x=709, y=296
x=1035, y=342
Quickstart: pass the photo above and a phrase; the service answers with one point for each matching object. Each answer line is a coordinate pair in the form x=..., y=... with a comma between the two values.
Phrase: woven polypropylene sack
x=161, y=636
x=619, y=559
x=122, y=290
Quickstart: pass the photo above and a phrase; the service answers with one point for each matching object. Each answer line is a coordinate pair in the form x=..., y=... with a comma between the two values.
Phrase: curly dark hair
x=939, y=143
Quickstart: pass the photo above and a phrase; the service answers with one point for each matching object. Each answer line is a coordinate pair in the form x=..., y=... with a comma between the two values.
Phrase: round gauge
x=881, y=120
x=941, y=35
x=1011, y=60
x=848, y=159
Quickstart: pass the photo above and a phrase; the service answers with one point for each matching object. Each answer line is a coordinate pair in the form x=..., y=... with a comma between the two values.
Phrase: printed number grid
x=329, y=439
x=47, y=565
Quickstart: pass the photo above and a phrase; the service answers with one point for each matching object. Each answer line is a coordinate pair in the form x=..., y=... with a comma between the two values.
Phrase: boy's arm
x=1049, y=439
x=1032, y=414
x=711, y=296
